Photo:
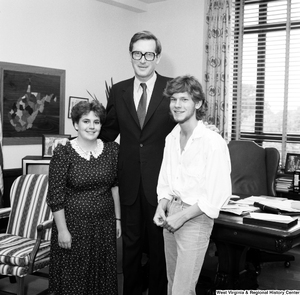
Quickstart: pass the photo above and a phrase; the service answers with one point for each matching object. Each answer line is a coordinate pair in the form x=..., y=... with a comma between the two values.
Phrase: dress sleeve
x=115, y=153
x=58, y=172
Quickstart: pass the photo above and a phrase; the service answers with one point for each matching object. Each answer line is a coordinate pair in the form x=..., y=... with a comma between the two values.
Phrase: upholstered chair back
x=28, y=206
x=253, y=168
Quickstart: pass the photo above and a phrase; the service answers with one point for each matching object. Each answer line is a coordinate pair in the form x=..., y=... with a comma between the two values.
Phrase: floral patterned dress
x=80, y=183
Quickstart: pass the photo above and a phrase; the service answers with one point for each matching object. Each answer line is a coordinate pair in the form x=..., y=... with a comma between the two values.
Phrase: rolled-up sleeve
x=217, y=189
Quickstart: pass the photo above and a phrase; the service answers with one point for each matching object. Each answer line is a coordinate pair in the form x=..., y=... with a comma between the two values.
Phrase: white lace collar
x=87, y=154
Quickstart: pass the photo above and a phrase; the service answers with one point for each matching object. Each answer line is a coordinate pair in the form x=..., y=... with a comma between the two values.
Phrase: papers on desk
x=267, y=204
x=251, y=200
x=240, y=207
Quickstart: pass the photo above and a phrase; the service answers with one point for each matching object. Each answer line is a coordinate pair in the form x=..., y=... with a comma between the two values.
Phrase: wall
x=89, y=39
x=180, y=26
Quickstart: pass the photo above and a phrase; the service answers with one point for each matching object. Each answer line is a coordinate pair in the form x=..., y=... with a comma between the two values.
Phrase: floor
x=273, y=276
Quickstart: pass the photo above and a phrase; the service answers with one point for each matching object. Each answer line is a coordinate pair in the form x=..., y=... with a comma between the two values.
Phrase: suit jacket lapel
x=129, y=101
x=156, y=98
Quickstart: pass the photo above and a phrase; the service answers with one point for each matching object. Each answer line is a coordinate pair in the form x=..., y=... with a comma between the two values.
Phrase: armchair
x=253, y=172
x=25, y=247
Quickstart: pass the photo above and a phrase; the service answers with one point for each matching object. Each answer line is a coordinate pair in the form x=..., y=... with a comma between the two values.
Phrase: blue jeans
x=185, y=250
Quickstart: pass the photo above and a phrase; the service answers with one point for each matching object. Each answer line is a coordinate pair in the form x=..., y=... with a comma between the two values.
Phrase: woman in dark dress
x=84, y=198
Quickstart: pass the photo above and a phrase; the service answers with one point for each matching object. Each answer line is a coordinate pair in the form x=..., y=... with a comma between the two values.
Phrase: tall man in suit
x=142, y=142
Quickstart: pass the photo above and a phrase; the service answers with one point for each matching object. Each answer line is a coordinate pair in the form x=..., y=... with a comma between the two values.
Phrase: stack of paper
x=244, y=206
x=239, y=207
x=284, y=183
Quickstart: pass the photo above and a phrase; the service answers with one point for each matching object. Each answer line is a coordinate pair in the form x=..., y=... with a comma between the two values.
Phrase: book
x=284, y=183
x=272, y=223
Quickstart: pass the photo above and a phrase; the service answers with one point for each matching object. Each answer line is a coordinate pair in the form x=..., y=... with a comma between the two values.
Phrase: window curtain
x=216, y=64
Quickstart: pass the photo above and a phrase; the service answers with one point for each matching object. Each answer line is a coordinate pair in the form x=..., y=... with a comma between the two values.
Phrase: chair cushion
x=21, y=271
x=15, y=250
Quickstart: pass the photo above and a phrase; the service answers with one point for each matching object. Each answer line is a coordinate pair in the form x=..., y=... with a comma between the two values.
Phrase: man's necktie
x=141, y=110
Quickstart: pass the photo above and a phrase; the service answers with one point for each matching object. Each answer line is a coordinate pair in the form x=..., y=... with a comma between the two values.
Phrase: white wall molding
x=131, y=5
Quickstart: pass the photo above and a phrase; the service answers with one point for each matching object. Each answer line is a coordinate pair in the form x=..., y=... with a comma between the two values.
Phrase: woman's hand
x=64, y=239
x=118, y=228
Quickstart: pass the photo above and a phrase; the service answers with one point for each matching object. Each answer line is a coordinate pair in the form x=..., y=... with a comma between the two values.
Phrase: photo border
x=287, y=168
x=74, y=100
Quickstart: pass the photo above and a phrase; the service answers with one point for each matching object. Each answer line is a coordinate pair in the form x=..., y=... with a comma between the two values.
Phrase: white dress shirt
x=200, y=173
x=138, y=90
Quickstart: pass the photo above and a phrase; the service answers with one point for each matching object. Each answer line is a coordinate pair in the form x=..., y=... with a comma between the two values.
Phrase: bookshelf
x=284, y=187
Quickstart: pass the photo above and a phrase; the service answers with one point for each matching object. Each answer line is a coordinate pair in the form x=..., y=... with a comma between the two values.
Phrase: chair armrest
x=41, y=228
x=5, y=212
x=44, y=225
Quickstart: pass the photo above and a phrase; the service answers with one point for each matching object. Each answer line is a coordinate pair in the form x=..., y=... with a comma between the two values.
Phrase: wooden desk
x=233, y=239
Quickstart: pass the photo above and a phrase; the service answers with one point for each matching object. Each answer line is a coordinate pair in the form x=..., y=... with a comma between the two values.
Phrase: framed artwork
x=74, y=100
x=50, y=141
x=292, y=163
x=32, y=102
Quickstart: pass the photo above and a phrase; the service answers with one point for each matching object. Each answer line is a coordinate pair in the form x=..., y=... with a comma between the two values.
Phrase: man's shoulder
x=163, y=78
x=123, y=83
x=129, y=81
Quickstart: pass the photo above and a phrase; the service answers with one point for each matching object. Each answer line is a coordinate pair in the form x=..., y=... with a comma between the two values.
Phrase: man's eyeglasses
x=149, y=56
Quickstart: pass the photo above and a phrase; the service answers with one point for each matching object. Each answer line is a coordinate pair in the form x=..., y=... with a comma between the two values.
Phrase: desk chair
x=253, y=173
x=25, y=247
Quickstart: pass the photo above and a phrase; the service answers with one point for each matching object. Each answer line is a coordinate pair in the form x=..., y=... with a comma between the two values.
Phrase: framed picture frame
x=49, y=142
x=292, y=163
x=32, y=102
x=73, y=100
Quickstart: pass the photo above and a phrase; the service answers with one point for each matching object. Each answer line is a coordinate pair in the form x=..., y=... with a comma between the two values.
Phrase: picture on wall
x=50, y=141
x=73, y=100
x=32, y=102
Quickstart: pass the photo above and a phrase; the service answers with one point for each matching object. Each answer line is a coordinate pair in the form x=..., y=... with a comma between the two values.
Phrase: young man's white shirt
x=200, y=173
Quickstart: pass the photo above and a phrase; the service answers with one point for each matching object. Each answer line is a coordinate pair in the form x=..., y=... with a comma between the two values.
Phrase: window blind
x=265, y=73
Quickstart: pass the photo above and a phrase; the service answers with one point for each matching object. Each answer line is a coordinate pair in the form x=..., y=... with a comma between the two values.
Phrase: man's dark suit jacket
x=141, y=150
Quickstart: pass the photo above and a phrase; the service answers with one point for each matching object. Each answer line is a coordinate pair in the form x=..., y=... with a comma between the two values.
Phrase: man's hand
x=212, y=127
x=160, y=214
x=177, y=220
x=174, y=222
x=58, y=141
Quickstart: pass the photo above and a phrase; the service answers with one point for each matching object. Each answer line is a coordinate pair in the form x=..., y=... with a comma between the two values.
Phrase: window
x=265, y=73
